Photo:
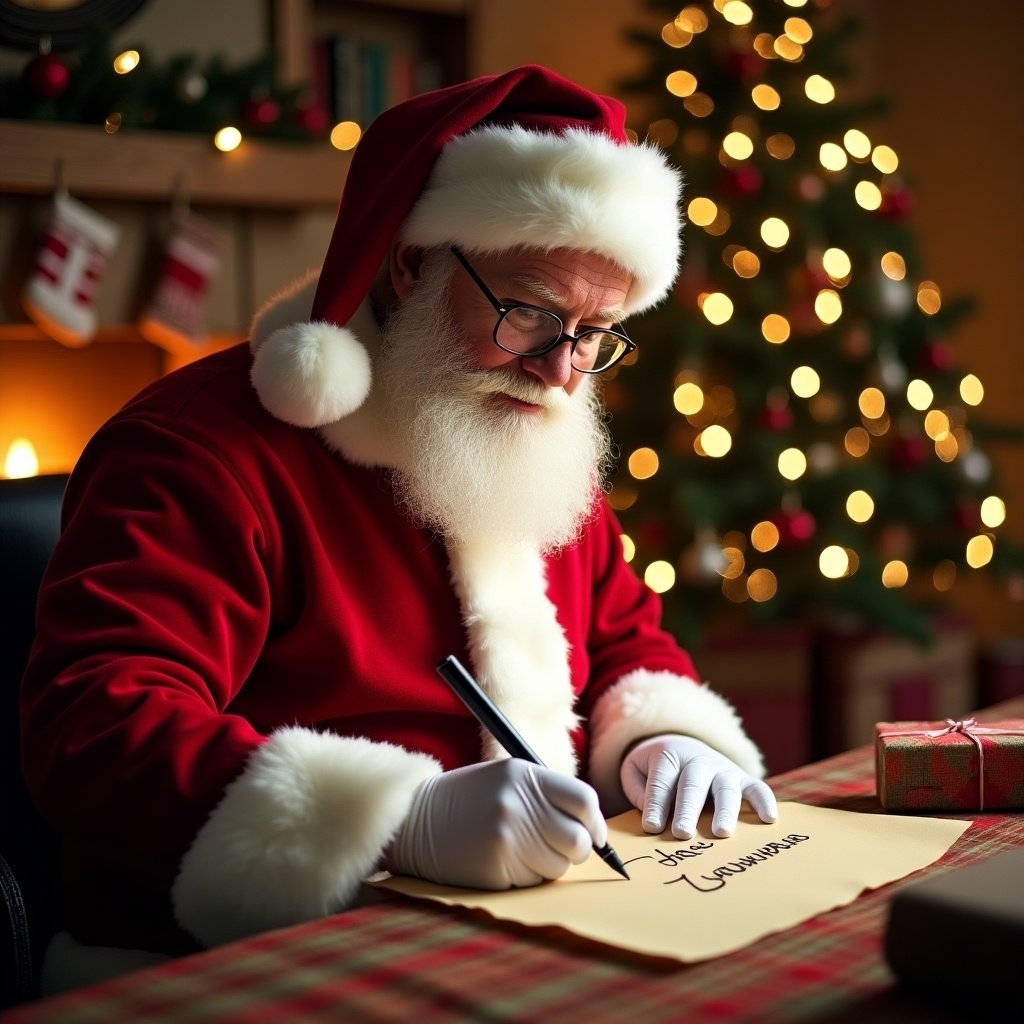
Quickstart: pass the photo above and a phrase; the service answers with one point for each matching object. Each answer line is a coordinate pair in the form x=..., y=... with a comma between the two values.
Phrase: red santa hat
x=524, y=158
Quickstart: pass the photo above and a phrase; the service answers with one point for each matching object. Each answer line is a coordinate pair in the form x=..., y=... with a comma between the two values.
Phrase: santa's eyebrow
x=541, y=291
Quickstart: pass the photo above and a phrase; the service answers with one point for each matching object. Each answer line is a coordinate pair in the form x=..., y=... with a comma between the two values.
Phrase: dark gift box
x=950, y=766
x=960, y=934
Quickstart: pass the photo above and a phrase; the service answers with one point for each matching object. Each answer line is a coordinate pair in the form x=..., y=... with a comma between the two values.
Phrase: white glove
x=676, y=774
x=497, y=825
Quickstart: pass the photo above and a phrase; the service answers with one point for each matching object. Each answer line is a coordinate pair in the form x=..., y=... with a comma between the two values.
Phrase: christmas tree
x=798, y=440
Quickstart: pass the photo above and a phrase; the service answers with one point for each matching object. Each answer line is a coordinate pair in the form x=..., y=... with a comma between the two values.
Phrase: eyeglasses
x=527, y=330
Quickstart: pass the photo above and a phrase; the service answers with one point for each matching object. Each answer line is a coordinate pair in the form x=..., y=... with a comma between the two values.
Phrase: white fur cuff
x=643, y=704
x=295, y=834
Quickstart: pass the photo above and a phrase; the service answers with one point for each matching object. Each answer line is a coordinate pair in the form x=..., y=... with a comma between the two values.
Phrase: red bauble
x=741, y=182
x=936, y=355
x=47, y=75
x=896, y=205
x=312, y=118
x=776, y=417
x=263, y=112
x=908, y=452
x=795, y=528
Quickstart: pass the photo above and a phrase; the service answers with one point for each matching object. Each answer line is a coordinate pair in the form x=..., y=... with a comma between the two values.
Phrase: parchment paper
x=700, y=898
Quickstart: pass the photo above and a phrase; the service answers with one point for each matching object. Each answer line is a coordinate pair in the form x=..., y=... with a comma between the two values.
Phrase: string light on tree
x=814, y=407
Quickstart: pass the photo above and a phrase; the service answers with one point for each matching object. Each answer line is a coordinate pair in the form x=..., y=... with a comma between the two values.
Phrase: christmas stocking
x=59, y=295
x=174, y=318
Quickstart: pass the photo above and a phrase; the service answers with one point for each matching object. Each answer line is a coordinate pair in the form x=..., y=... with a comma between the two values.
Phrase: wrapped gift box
x=950, y=766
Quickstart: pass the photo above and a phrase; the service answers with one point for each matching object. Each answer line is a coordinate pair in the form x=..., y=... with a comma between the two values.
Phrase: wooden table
x=421, y=963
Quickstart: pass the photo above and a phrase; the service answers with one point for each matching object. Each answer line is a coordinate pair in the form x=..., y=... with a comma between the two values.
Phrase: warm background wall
x=951, y=71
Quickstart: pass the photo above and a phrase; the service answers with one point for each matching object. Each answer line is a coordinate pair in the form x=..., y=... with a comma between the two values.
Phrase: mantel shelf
x=149, y=165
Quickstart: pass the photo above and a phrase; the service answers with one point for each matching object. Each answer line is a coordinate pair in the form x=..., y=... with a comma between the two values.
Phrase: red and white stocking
x=175, y=316
x=60, y=293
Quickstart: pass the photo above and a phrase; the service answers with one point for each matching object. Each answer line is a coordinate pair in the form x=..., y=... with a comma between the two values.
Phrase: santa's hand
x=675, y=775
x=497, y=825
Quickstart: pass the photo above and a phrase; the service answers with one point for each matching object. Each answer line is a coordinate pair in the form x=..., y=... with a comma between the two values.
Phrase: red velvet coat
x=232, y=695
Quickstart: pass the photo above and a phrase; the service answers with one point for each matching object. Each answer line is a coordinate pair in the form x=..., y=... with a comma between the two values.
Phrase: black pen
x=453, y=672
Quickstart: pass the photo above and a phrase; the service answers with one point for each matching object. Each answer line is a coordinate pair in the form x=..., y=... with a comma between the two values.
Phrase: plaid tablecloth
x=420, y=963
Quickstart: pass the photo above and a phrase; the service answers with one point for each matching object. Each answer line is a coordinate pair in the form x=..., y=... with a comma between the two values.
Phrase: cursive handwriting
x=719, y=876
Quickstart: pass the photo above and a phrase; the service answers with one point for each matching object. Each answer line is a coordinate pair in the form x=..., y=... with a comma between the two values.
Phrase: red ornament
x=312, y=118
x=47, y=75
x=741, y=182
x=936, y=356
x=908, y=452
x=967, y=516
x=896, y=205
x=776, y=417
x=262, y=112
x=795, y=528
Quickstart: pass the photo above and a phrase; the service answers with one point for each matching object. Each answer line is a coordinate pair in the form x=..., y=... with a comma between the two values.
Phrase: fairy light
x=819, y=89
x=885, y=160
x=857, y=144
x=788, y=49
x=792, y=464
x=871, y=403
x=736, y=12
x=700, y=104
x=764, y=536
x=895, y=574
x=675, y=35
x=713, y=441
x=762, y=585
x=799, y=30
x=660, y=576
x=832, y=156
x=837, y=264
x=126, y=62
x=227, y=139
x=702, y=211
x=919, y=394
x=628, y=547
x=947, y=447
x=828, y=306
x=717, y=307
x=894, y=266
x=765, y=97
x=993, y=511
x=971, y=390
x=868, y=195
x=681, y=83
x=804, y=381
x=735, y=563
x=774, y=232
x=780, y=145
x=345, y=135
x=775, y=328
x=692, y=19
x=936, y=424
x=688, y=398
x=860, y=506
x=746, y=264
x=857, y=442
x=643, y=463
x=929, y=297
x=738, y=145
x=834, y=562
x=622, y=496
x=979, y=551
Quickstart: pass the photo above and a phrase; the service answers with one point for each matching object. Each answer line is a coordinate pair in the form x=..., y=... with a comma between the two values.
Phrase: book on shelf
x=355, y=80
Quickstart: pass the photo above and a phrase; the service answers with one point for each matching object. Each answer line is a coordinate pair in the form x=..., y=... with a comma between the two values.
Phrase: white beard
x=469, y=468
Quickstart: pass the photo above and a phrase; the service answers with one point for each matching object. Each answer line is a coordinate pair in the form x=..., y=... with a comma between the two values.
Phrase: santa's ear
x=405, y=265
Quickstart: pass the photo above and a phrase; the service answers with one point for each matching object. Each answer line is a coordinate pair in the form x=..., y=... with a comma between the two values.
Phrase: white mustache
x=501, y=382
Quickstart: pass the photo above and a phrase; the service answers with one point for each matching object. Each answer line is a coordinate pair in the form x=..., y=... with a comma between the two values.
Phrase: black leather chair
x=29, y=526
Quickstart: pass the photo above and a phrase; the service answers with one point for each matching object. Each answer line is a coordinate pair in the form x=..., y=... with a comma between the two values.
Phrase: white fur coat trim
x=295, y=834
x=644, y=703
x=518, y=649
